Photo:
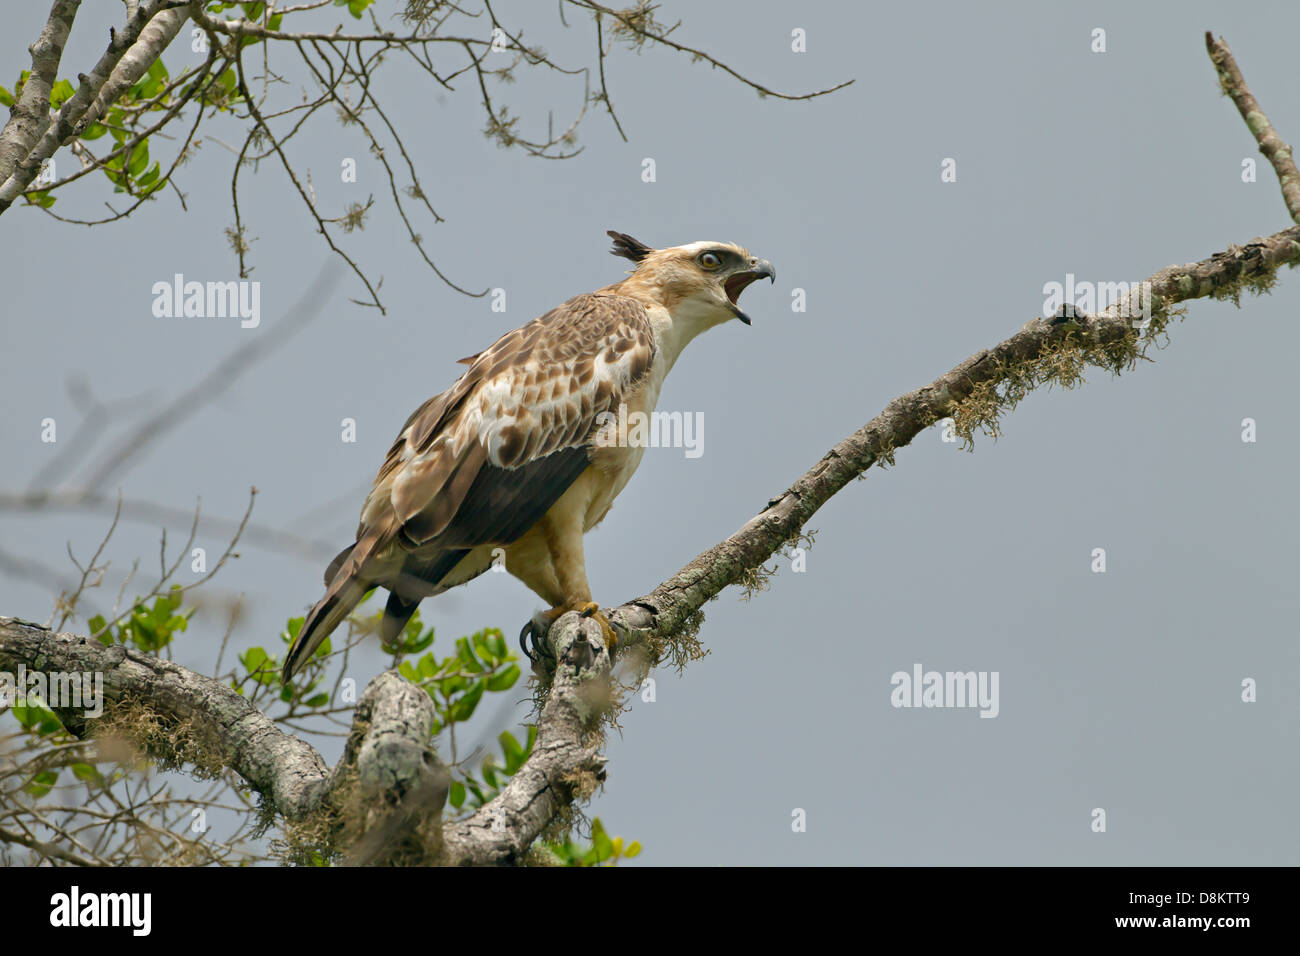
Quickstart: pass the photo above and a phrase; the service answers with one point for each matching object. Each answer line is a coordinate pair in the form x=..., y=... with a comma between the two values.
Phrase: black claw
x=523, y=640
x=532, y=633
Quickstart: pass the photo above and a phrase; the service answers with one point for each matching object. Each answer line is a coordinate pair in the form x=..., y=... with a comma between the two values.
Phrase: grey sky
x=1118, y=690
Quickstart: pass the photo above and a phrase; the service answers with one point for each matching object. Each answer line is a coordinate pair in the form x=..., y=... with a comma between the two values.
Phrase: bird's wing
x=483, y=461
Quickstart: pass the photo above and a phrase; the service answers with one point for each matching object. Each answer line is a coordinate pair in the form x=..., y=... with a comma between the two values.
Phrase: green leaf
x=39, y=197
x=291, y=629
x=450, y=686
x=412, y=640
x=146, y=89
x=631, y=850
x=456, y=796
x=463, y=707
x=427, y=667
x=87, y=772
x=466, y=655
x=319, y=700
x=355, y=7
x=42, y=783
x=139, y=162
x=515, y=755
x=600, y=841
x=260, y=665
x=6, y=98
x=505, y=679
x=60, y=93
x=97, y=624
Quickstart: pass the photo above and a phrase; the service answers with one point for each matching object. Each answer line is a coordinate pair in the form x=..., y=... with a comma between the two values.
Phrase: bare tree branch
x=1270, y=144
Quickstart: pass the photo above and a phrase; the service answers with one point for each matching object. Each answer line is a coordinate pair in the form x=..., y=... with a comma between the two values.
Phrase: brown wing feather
x=536, y=392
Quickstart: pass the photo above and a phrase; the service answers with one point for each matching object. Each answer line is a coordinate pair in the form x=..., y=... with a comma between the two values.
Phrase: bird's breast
x=621, y=444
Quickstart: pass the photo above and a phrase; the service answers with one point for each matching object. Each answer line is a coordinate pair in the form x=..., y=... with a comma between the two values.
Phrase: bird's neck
x=675, y=329
x=675, y=323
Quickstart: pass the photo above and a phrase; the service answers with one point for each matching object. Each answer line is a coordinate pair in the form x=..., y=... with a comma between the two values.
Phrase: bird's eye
x=710, y=260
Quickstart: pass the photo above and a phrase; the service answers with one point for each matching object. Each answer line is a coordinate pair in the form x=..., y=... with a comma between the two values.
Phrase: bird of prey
x=512, y=458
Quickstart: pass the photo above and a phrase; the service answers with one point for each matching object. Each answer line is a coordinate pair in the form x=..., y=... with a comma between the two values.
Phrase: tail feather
x=345, y=586
x=344, y=593
x=332, y=571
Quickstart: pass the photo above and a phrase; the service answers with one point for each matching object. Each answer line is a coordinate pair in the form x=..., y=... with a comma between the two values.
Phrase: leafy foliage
x=148, y=628
x=603, y=851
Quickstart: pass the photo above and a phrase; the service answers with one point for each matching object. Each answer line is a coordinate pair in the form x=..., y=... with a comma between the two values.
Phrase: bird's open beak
x=737, y=282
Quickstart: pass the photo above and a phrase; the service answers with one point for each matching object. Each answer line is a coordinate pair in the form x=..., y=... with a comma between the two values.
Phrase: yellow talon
x=592, y=610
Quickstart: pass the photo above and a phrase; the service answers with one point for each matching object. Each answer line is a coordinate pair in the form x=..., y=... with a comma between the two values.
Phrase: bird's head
x=704, y=279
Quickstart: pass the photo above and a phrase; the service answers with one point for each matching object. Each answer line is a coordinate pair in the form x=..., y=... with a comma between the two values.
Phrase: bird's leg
x=592, y=610
x=564, y=541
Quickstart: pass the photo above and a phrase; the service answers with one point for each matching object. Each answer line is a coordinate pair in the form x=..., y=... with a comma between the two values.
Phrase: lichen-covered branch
x=31, y=114
x=566, y=763
x=388, y=779
x=1270, y=144
x=220, y=728
x=129, y=53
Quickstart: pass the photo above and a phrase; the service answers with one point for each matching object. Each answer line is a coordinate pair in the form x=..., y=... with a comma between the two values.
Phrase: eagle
x=519, y=458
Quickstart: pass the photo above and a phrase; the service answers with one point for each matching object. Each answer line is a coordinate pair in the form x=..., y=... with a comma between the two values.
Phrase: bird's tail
x=344, y=592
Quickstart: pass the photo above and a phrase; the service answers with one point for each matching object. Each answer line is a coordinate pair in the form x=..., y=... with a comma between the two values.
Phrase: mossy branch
x=1277, y=152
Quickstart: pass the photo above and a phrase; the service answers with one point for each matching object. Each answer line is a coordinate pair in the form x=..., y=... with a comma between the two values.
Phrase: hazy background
x=1118, y=690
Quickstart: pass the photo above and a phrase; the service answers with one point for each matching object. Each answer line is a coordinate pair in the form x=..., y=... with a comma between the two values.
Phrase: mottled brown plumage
x=507, y=457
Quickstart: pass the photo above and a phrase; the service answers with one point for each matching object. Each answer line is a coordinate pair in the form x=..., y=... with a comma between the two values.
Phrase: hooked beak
x=737, y=282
